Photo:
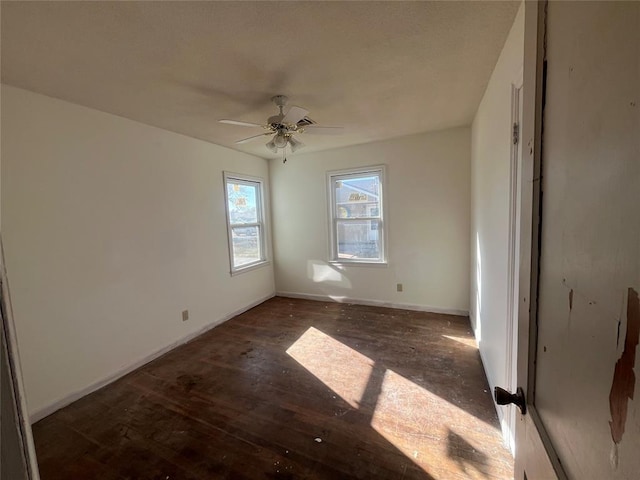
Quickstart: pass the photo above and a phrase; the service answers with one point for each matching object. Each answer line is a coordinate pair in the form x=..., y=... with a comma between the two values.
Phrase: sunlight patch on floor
x=431, y=431
x=339, y=367
x=419, y=424
x=468, y=341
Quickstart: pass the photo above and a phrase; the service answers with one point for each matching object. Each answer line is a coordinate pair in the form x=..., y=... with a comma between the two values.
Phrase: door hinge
x=516, y=133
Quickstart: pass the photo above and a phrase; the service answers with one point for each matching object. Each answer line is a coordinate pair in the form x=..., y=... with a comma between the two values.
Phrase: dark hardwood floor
x=292, y=389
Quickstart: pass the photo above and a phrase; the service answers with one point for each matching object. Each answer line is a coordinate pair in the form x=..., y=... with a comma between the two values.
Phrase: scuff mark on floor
x=624, y=379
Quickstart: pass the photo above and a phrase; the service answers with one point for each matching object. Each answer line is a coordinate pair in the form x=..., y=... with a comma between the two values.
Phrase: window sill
x=354, y=263
x=249, y=268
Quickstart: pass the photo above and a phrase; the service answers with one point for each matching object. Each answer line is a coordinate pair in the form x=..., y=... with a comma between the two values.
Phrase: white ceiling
x=380, y=69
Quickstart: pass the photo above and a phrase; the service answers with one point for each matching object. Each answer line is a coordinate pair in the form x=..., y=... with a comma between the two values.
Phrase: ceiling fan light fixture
x=280, y=140
x=271, y=145
x=295, y=144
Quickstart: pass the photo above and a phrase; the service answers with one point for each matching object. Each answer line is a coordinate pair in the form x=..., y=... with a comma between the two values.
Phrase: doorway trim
x=22, y=445
x=513, y=260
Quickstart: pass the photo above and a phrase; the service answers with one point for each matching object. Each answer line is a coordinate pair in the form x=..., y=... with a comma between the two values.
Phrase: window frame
x=336, y=175
x=261, y=224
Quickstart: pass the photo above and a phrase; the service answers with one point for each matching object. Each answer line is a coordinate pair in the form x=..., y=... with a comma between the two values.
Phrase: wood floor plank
x=292, y=389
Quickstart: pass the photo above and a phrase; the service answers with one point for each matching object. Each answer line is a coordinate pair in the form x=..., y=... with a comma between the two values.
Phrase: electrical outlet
x=185, y=315
x=399, y=287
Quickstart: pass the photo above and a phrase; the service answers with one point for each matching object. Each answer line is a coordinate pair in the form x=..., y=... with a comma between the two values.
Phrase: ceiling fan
x=283, y=127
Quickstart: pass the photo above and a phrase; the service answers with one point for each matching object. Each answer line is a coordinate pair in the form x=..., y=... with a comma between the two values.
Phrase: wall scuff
x=571, y=300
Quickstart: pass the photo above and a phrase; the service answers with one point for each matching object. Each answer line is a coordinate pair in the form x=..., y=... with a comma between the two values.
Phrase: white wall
x=111, y=229
x=490, y=197
x=427, y=220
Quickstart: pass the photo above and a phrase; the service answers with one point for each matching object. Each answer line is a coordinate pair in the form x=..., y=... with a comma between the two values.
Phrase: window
x=356, y=213
x=245, y=221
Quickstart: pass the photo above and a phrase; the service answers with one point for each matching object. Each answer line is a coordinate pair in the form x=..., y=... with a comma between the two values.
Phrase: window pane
x=246, y=245
x=243, y=206
x=358, y=197
x=359, y=239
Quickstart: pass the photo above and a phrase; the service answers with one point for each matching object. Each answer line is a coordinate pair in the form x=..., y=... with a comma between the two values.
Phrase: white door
x=580, y=313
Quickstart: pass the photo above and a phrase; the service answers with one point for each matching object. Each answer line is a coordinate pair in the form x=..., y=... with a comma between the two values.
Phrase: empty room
x=320, y=240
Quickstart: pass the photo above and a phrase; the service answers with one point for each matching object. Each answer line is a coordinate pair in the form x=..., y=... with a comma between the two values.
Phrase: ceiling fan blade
x=295, y=114
x=320, y=130
x=248, y=139
x=238, y=122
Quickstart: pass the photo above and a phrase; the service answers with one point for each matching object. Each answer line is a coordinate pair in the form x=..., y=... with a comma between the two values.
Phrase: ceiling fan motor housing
x=276, y=122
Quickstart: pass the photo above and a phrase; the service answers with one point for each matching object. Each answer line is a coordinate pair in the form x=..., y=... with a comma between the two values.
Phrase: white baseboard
x=72, y=397
x=472, y=320
x=375, y=303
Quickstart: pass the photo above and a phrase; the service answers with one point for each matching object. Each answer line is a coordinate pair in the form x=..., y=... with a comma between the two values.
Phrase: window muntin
x=356, y=212
x=245, y=221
